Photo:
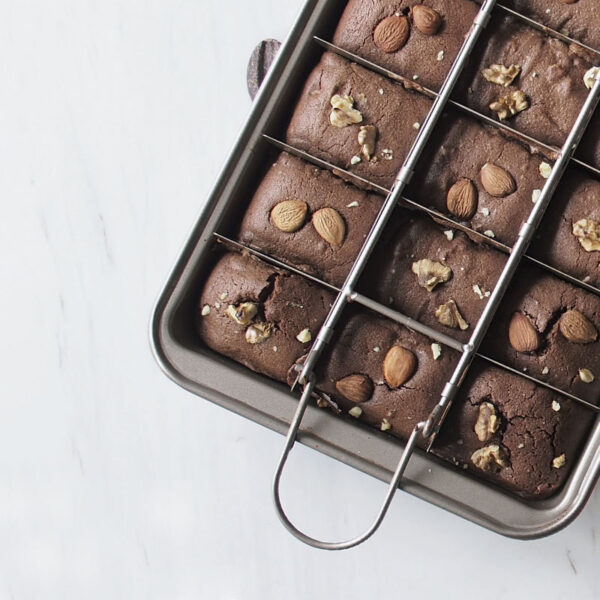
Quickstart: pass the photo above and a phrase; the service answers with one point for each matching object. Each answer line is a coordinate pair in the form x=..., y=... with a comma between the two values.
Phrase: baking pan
x=186, y=361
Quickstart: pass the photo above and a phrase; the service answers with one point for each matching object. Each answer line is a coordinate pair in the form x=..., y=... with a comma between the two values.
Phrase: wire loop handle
x=393, y=485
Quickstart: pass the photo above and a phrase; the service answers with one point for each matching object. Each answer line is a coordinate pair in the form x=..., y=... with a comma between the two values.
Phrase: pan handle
x=393, y=486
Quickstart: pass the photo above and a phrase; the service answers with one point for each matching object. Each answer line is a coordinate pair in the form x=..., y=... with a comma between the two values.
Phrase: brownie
x=576, y=203
x=551, y=77
x=578, y=20
x=287, y=308
x=394, y=111
x=459, y=150
x=543, y=301
x=412, y=243
x=291, y=179
x=359, y=348
x=538, y=433
x=425, y=57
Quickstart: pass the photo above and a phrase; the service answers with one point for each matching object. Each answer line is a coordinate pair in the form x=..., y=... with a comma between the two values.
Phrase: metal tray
x=186, y=361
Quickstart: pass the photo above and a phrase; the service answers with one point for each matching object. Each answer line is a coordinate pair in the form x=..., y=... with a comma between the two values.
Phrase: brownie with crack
x=521, y=436
x=548, y=328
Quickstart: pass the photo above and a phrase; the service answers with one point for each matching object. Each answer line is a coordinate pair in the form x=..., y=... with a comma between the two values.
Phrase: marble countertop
x=116, y=117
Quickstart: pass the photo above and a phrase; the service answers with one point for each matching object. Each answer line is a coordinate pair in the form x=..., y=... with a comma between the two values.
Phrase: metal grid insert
x=428, y=428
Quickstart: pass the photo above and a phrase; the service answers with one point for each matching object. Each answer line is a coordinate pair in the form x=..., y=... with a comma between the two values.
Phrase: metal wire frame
x=428, y=428
x=306, y=377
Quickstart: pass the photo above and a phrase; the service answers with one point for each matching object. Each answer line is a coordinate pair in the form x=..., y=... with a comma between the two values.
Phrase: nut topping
x=510, y=105
x=304, y=336
x=497, y=181
x=487, y=422
x=399, y=366
x=449, y=316
x=577, y=328
x=243, y=313
x=357, y=388
x=392, y=33
x=586, y=376
x=462, y=199
x=501, y=75
x=367, y=136
x=587, y=232
x=288, y=216
x=258, y=333
x=343, y=112
x=490, y=458
x=431, y=273
x=590, y=77
x=426, y=20
x=522, y=335
x=559, y=461
x=330, y=226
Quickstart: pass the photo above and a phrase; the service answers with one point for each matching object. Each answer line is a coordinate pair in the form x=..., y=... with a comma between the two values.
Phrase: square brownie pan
x=187, y=362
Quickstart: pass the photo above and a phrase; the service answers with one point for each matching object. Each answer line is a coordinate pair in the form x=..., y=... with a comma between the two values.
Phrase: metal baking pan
x=184, y=359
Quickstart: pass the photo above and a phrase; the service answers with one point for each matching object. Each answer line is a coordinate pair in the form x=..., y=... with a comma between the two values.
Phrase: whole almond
x=330, y=226
x=357, y=388
x=426, y=20
x=462, y=199
x=497, y=181
x=391, y=34
x=577, y=328
x=399, y=366
x=522, y=335
x=288, y=216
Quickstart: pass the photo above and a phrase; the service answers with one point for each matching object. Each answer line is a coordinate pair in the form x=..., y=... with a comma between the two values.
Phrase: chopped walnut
x=431, y=273
x=343, y=112
x=510, y=105
x=587, y=232
x=367, y=137
x=501, y=75
x=487, y=422
x=490, y=458
x=559, y=461
x=449, y=315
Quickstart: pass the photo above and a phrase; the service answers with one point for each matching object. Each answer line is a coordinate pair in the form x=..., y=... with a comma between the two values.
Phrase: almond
x=496, y=181
x=426, y=20
x=577, y=328
x=522, y=335
x=330, y=226
x=357, y=388
x=288, y=216
x=391, y=34
x=462, y=199
x=399, y=366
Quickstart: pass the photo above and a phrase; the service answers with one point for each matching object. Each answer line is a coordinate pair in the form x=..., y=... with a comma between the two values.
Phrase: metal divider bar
x=430, y=211
x=411, y=84
x=399, y=317
x=517, y=253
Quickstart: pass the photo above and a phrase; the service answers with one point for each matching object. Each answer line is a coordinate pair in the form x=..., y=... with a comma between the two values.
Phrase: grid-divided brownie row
x=502, y=426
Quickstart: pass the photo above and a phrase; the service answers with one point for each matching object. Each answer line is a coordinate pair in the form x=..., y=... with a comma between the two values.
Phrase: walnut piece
x=487, y=422
x=590, y=77
x=559, y=461
x=490, y=458
x=258, y=333
x=242, y=313
x=367, y=137
x=510, y=105
x=449, y=316
x=501, y=75
x=587, y=231
x=343, y=112
x=431, y=273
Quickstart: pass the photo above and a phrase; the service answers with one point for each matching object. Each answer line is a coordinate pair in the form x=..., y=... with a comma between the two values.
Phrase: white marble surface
x=115, y=117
